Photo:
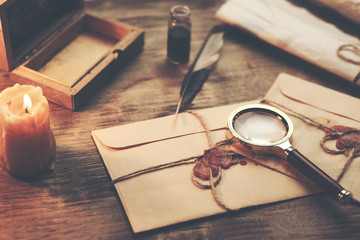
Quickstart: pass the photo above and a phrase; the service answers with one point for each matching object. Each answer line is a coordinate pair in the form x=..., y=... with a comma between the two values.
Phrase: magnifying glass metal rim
x=261, y=108
x=292, y=156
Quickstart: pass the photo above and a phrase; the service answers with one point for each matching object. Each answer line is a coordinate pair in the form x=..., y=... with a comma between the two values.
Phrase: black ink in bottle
x=179, y=35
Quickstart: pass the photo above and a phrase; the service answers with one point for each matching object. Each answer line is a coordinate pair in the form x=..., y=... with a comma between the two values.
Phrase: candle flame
x=27, y=103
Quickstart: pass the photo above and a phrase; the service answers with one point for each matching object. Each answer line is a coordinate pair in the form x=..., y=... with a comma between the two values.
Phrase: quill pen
x=202, y=66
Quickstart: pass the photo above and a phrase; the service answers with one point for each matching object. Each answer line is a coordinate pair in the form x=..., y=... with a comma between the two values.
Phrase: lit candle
x=27, y=144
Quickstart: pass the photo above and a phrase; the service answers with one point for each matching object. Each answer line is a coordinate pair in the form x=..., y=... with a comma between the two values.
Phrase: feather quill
x=202, y=66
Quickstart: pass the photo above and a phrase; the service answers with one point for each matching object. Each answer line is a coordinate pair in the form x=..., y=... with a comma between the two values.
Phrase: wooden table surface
x=77, y=199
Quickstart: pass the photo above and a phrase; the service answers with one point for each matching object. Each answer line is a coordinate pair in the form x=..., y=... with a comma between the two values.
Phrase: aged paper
x=294, y=29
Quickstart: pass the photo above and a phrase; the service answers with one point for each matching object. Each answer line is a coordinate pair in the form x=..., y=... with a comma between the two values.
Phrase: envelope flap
x=319, y=97
x=163, y=128
x=139, y=133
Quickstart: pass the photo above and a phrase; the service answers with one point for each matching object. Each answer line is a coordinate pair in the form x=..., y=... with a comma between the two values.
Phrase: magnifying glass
x=263, y=129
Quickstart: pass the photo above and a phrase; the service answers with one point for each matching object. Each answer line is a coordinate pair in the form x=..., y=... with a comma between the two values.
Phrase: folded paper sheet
x=169, y=196
x=296, y=30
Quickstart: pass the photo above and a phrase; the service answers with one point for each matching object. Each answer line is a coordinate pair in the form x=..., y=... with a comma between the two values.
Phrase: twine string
x=332, y=135
x=301, y=116
x=213, y=181
x=353, y=48
x=353, y=152
x=189, y=160
x=350, y=158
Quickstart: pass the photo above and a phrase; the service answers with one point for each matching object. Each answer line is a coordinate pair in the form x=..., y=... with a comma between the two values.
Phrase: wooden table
x=77, y=199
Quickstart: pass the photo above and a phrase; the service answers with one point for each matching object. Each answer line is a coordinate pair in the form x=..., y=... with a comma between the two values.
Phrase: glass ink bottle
x=179, y=34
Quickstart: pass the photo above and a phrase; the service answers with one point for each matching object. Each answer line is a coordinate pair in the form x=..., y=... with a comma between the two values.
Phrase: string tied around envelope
x=347, y=143
x=347, y=138
x=215, y=158
x=189, y=160
x=207, y=170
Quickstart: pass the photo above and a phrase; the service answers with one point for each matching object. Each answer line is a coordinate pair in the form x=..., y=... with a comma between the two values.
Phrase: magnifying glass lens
x=260, y=127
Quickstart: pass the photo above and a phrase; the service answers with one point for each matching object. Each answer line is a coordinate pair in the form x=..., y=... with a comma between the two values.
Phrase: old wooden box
x=66, y=51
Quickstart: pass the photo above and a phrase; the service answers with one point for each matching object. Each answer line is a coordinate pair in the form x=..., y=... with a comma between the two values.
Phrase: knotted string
x=352, y=152
x=213, y=181
x=189, y=160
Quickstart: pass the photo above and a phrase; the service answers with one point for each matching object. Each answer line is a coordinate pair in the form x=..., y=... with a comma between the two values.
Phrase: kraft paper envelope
x=169, y=196
x=295, y=29
x=324, y=106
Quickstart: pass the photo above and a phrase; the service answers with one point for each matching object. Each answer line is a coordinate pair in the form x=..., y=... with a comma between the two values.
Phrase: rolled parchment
x=296, y=30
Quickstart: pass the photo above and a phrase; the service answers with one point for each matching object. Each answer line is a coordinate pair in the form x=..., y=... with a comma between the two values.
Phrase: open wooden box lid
x=33, y=32
x=25, y=24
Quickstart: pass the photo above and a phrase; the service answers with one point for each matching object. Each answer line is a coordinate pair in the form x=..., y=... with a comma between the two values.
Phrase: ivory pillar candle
x=27, y=144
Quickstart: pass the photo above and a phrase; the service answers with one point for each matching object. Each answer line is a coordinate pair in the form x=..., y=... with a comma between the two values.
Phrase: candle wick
x=8, y=102
x=26, y=110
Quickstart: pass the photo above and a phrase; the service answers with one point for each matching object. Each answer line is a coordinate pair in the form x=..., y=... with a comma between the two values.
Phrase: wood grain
x=77, y=199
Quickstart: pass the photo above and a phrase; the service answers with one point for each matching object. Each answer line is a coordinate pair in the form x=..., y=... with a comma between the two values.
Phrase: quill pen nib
x=178, y=108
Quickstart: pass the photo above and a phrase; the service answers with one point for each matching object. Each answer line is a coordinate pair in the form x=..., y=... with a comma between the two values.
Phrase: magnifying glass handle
x=319, y=177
